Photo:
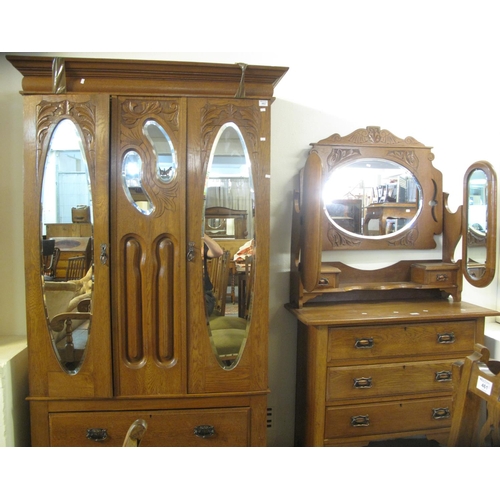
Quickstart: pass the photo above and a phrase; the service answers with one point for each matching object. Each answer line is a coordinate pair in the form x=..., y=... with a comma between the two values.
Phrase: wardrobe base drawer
x=387, y=418
x=221, y=427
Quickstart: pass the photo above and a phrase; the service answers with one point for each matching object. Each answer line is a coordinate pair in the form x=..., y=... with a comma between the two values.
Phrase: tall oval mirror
x=228, y=247
x=66, y=246
x=372, y=197
x=479, y=247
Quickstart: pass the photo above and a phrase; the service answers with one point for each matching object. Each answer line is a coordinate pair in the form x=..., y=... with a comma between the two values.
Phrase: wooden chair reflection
x=219, y=275
x=51, y=255
x=477, y=387
x=135, y=433
x=245, y=285
x=76, y=268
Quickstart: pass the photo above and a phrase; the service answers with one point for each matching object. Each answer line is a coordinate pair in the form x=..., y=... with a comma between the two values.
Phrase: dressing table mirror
x=375, y=345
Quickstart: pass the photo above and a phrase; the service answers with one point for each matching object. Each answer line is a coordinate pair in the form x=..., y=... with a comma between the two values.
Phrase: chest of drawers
x=380, y=370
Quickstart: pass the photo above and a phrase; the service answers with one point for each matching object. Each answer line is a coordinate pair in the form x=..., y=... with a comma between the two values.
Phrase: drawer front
x=398, y=379
x=225, y=427
x=357, y=344
x=385, y=418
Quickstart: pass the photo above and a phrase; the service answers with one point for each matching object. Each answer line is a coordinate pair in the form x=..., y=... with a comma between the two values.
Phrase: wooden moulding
x=143, y=77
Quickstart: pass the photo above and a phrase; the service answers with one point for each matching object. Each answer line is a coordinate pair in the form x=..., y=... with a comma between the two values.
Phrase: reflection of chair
x=135, y=433
x=76, y=268
x=219, y=275
x=51, y=256
x=477, y=384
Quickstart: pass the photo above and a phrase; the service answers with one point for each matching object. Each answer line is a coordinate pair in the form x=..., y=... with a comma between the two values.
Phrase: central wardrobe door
x=148, y=251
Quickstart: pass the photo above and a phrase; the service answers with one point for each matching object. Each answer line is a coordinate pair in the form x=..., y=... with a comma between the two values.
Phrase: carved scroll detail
x=49, y=114
x=133, y=114
x=370, y=136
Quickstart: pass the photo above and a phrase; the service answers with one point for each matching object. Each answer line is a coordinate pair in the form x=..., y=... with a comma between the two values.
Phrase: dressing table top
x=360, y=313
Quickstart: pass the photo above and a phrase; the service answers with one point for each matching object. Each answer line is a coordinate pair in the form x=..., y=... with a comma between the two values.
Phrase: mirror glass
x=132, y=182
x=372, y=197
x=166, y=163
x=229, y=223
x=477, y=223
x=66, y=267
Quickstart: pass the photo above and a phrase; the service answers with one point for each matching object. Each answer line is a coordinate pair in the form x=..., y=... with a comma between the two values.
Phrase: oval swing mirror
x=228, y=225
x=479, y=232
x=66, y=254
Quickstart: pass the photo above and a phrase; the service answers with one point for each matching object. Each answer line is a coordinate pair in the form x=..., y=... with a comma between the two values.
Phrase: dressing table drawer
x=366, y=344
x=416, y=416
x=398, y=379
x=205, y=427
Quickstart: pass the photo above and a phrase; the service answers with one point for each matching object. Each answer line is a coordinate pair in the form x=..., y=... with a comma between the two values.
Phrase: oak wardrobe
x=142, y=149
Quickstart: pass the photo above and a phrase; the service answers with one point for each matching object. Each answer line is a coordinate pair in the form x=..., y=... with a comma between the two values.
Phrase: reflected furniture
x=146, y=131
x=68, y=229
x=477, y=384
x=376, y=344
x=387, y=213
x=216, y=222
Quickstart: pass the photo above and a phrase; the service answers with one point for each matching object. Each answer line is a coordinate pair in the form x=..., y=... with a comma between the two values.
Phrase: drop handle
x=204, y=431
x=360, y=421
x=446, y=338
x=97, y=435
x=440, y=413
x=364, y=343
x=362, y=383
x=443, y=376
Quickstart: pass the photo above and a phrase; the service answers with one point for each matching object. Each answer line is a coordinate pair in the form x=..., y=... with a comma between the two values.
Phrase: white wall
x=424, y=69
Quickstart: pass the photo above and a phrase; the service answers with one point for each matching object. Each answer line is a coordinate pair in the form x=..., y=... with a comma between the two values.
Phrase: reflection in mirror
x=132, y=182
x=66, y=245
x=480, y=186
x=372, y=197
x=229, y=221
x=166, y=164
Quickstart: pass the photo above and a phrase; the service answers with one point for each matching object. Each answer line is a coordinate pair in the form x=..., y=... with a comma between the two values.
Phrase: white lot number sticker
x=484, y=385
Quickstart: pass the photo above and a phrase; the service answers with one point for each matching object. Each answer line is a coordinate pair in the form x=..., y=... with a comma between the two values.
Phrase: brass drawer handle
x=362, y=383
x=444, y=376
x=363, y=343
x=441, y=277
x=446, y=338
x=97, y=435
x=440, y=413
x=204, y=431
x=323, y=281
x=360, y=421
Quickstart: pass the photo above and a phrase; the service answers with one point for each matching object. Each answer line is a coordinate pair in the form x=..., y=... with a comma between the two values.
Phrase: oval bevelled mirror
x=372, y=198
x=66, y=246
x=166, y=162
x=132, y=182
x=479, y=247
x=228, y=228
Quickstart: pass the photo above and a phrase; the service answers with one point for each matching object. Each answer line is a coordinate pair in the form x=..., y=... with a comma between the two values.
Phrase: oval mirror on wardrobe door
x=228, y=224
x=66, y=245
x=479, y=234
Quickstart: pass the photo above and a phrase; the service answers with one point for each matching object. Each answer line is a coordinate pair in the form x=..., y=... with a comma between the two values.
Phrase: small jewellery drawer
x=387, y=418
x=217, y=427
x=355, y=344
x=397, y=379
